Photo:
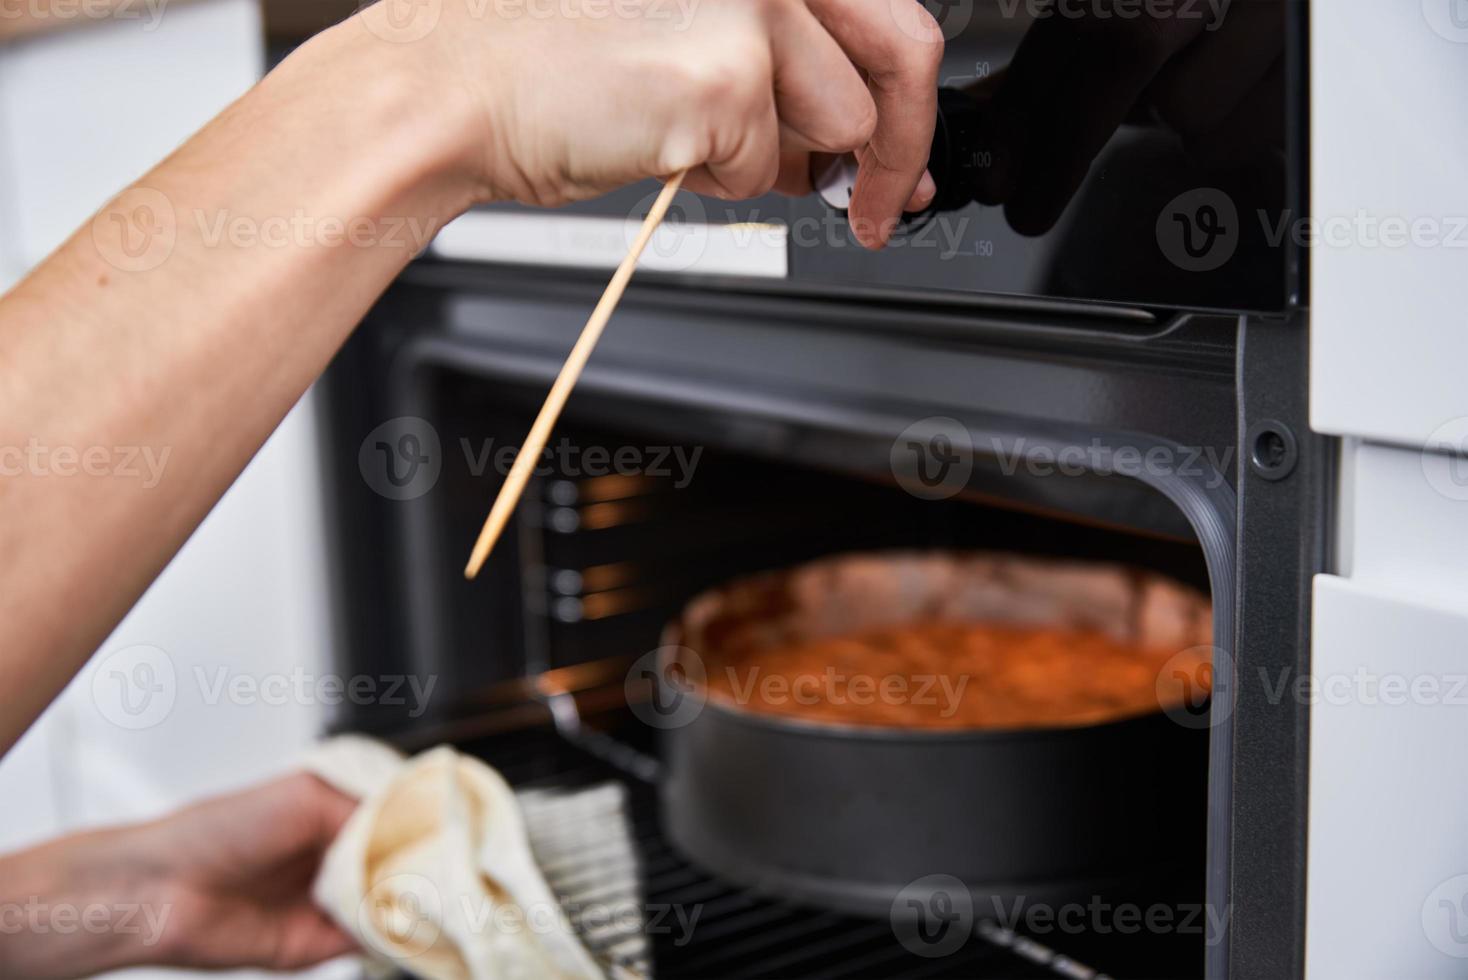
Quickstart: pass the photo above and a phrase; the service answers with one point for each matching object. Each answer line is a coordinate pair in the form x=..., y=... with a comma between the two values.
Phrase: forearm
x=135, y=383
x=71, y=908
x=184, y=351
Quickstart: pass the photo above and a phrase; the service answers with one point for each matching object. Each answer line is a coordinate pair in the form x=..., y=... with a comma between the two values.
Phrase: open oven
x=774, y=399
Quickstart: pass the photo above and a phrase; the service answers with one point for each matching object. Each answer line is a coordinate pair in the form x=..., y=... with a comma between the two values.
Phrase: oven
x=1081, y=376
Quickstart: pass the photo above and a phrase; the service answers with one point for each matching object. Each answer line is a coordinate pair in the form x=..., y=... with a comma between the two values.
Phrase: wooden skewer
x=555, y=401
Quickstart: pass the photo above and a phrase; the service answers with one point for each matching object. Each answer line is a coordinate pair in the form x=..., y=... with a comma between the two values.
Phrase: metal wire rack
x=702, y=927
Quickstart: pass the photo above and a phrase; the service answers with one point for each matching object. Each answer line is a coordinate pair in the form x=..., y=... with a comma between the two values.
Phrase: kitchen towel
x=439, y=872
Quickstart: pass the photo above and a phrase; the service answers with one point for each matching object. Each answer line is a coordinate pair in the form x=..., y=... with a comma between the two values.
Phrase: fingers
x=726, y=130
x=745, y=161
x=333, y=806
x=923, y=195
x=818, y=102
x=305, y=937
x=823, y=102
x=843, y=75
x=294, y=815
x=899, y=49
x=795, y=171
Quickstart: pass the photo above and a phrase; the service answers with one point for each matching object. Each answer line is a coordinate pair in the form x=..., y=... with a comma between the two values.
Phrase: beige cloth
x=434, y=872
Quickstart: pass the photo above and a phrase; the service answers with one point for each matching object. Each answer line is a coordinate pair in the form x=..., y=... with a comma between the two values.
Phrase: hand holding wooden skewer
x=555, y=401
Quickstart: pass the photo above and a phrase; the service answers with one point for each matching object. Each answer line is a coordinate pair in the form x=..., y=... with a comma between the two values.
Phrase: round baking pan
x=847, y=816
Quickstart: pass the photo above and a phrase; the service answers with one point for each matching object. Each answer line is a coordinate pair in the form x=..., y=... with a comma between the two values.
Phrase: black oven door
x=1117, y=151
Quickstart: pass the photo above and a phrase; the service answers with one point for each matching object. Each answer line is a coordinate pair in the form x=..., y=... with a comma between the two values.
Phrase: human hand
x=237, y=871
x=221, y=884
x=565, y=104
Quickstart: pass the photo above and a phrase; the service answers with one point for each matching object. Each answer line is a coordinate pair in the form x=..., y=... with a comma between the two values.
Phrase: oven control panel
x=1062, y=173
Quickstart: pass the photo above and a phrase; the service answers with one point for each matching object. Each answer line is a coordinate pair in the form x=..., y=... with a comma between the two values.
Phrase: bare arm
x=185, y=321
x=222, y=884
x=198, y=357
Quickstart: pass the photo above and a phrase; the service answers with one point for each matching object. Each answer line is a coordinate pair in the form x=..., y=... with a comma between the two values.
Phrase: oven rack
x=573, y=727
x=737, y=933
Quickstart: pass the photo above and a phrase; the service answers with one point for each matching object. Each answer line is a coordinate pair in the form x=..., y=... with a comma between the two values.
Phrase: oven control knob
x=835, y=180
x=957, y=154
x=960, y=149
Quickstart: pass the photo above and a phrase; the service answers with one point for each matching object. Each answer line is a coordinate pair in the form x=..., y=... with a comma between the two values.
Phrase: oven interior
x=628, y=518
x=785, y=390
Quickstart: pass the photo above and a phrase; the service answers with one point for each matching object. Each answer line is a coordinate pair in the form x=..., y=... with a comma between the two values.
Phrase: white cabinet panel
x=88, y=109
x=1387, y=890
x=1388, y=875
x=1389, y=331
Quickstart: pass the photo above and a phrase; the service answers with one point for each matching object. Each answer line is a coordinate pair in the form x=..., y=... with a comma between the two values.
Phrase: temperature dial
x=957, y=155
